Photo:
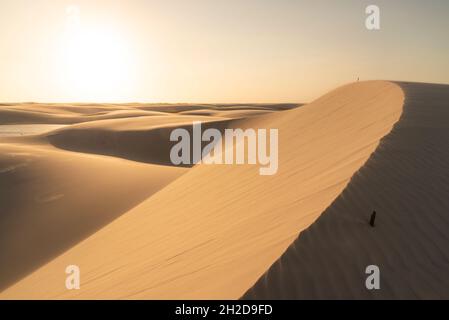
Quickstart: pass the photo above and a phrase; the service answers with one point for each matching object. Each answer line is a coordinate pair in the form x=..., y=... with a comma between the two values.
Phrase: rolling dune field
x=100, y=192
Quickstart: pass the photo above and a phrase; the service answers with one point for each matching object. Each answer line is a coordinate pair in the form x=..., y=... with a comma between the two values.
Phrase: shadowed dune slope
x=407, y=182
x=215, y=230
x=52, y=199
x=143, y=139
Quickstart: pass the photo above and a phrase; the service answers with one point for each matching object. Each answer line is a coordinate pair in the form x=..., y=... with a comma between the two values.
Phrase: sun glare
x=98, y=61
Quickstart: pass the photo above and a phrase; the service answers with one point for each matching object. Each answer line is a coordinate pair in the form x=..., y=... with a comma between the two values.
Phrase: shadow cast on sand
x=406, y=180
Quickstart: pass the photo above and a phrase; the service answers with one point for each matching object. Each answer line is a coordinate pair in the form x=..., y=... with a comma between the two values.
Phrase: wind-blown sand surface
x=407, y=182
x=216, y=230
x=52, y=199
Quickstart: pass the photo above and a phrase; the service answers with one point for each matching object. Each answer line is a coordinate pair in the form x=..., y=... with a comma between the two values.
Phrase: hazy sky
x=213, y=50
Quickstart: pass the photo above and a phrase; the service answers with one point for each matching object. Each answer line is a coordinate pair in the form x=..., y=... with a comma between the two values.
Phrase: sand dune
x=144, y=139
x=232, y=114
x=32, y=113
x=407, y=182
x=215, y=230
x=58, y=115
x=52, y=199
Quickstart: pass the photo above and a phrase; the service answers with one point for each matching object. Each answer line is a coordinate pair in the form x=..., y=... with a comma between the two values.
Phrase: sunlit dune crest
x=201, y=150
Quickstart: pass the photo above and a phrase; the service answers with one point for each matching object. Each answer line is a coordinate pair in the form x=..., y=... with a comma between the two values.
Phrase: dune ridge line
x=215, y=230
x=407, y=182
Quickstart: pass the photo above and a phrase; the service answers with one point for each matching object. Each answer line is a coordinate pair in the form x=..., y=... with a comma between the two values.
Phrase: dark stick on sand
x=373, y=218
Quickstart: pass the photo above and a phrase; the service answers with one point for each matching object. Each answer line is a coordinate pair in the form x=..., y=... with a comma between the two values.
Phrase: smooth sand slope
x=215, y=230
x=143, y=139
x=407, y=182
x=52, y=199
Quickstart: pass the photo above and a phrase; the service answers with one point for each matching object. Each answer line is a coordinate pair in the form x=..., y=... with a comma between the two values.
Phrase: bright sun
x=99, y=64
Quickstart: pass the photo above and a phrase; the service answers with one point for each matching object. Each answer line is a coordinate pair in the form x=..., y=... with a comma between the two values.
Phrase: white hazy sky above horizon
x=211, y=50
